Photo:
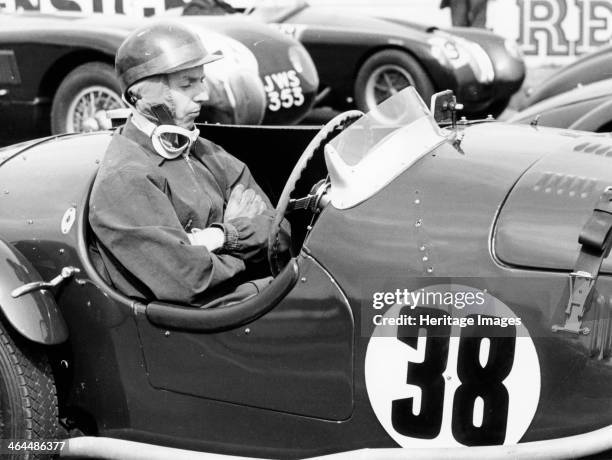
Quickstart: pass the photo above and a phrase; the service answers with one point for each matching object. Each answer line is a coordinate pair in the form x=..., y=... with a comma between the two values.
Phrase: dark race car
x=587, y=108
x=590, y=68
x=363, y=60
x=57, y=72
x=449, y=294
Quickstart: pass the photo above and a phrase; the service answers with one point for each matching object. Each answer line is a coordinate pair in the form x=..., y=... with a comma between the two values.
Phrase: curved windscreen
x=394, y=113
x=379, y=146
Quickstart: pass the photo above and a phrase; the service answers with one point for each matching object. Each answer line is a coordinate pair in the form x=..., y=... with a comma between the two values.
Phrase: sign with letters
x=563, y=28
x=138, y=8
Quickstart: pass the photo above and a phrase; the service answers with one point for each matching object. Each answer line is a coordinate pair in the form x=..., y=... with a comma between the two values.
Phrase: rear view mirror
x=444, y=107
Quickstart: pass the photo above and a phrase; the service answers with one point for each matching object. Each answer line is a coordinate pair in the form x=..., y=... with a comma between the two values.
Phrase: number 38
x=477, y=381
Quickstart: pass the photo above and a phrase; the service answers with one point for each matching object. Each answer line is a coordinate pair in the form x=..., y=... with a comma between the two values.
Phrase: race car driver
x=176, y=218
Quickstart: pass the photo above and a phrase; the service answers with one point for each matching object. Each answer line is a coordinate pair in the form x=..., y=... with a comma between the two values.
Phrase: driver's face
x=189, y=91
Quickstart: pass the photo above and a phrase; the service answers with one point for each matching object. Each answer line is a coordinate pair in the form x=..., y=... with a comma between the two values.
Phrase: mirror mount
x=444, y=107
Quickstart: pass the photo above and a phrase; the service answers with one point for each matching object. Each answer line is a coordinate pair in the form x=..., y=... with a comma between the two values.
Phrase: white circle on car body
x=486, y=393
x=68, y=220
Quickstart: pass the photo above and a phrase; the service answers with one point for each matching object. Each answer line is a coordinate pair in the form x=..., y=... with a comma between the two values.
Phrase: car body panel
x=322, y=376
x=509, y=70
x=587, y=69
x=565, y=109
x=435, y=222
x=459, y=197
x=34, y=315
x=562, y=187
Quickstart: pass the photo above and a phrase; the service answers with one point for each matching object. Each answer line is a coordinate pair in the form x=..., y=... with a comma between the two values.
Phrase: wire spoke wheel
x=384, y=74
x=383, y=83
x=83, y=97
x=86, y=111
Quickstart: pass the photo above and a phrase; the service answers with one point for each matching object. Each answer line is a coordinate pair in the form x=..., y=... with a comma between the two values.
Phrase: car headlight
x=513, y=49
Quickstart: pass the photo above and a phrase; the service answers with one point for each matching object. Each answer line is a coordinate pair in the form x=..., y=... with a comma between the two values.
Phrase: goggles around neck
x=169, y=141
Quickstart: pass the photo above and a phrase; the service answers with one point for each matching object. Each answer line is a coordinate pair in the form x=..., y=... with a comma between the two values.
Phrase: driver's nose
x=203, y=95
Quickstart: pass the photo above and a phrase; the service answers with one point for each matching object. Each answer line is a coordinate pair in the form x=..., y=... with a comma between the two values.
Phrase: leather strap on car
x=596, y=241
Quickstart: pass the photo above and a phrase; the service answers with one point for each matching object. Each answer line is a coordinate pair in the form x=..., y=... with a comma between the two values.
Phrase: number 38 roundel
x=446, y=385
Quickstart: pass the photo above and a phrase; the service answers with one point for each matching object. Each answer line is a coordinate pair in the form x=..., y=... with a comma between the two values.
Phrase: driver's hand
x=243, y=203
x=251, y=235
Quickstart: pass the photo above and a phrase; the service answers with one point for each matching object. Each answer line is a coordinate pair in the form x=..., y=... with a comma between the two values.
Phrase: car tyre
x=82, y=97
x=387, y=72
x=28, y=399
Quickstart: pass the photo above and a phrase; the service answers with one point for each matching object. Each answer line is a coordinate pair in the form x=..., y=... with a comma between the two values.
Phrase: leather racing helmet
x=159, y=48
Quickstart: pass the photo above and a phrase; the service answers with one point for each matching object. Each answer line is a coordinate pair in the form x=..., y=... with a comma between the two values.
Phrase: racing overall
x=143, y=206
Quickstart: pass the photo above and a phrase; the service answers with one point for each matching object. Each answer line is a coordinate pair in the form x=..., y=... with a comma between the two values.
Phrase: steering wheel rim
x=330, y=130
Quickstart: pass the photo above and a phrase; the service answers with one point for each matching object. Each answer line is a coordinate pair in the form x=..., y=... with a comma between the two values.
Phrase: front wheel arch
x=34, y=315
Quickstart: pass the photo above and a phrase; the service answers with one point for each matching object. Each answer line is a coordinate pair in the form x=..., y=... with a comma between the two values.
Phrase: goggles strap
x=156, y=133
x=163, y=114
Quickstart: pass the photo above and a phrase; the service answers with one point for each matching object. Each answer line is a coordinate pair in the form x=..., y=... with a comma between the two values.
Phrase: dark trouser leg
x=478, y=13
x=459, y=13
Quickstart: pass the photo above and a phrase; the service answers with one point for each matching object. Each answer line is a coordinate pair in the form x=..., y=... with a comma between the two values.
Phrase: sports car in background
x=363, y=60
x=451, y=296
x=587, y=108
x=56, y=73
x=590, y=68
